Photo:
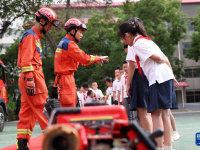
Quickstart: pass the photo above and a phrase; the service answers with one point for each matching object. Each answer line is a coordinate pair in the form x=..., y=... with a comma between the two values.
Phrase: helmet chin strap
x=43, y=30
x=75, y=35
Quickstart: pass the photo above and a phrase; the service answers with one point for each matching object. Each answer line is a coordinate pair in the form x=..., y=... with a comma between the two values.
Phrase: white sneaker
x=168, y=148
x=175, y=135
x=172, y=140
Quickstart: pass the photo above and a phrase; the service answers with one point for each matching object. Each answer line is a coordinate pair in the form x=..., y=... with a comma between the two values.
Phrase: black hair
x=85, y=85
x=133, y=26
x=125, y=46
x=120, y=68
x=124, y=62
x=89, y=92
x=70, y=29
x=117, y=68
x=109, y=79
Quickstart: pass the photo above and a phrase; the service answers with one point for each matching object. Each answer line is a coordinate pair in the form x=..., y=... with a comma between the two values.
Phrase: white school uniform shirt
x=109, y=91
x=115, y=88
x=98, y=97
x=83, y=97
x=79, y=95
x=99, y=92
x=131, y=55
x=89, y=99
x=119, y=88
x=124, y=83
x=154, y=71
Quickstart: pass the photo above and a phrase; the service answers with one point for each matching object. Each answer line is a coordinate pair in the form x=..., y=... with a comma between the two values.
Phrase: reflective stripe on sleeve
x=92, y=59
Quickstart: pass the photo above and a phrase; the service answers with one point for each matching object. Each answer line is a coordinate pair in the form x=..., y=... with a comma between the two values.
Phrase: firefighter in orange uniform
x=31, y=81
x=68, y=57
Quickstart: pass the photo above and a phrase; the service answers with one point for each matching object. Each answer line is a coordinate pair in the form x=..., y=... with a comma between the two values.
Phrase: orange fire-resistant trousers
x=31, y=106
x=68, y=97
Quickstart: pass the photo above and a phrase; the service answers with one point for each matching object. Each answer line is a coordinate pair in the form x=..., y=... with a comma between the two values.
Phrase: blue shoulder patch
x=26, y=34
x=64, y=43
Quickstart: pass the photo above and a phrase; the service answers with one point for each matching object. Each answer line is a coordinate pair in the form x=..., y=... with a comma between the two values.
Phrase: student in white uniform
x=109, y=91
x=139, y=91
x=115, y=83
x=157, y=68
x=119, y=92
x=86, y=88
x=95, y=96
x=119, y=87
x=124, y=83
x=95, y=88
x=82, y=97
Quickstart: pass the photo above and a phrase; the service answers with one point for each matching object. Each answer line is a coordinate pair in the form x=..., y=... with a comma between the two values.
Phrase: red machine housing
x=100, y=123
x=3, y=83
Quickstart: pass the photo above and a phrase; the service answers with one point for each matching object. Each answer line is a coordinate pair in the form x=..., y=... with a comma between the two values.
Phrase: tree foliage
x=194, y=51
x=98, y=40
x=164, y=23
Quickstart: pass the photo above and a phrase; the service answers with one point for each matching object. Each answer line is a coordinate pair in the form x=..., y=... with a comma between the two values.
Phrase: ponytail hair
x=139, y=26
x=134, y=26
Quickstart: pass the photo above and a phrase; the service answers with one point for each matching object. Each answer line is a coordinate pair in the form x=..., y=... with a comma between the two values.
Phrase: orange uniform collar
x=69, y=37
x=37, y=32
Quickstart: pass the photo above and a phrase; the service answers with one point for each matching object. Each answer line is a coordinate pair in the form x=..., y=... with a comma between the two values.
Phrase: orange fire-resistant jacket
x=30, y=60
x=68, y=57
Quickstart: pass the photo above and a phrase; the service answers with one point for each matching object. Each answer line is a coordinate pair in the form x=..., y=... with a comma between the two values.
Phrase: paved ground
x=187, y=122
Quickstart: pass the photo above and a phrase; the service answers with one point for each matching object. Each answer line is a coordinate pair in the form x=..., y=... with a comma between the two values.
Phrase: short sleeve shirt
x=154, y=71
x=115, y=88
x=99, y=92
x=109, y=91
x=124, y=83
x=131, y=55
x=119, y=88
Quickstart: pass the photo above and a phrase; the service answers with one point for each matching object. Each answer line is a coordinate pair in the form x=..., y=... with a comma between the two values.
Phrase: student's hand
x=176, y=84
x=128, y=89
x=118, y=103
x=122, y=101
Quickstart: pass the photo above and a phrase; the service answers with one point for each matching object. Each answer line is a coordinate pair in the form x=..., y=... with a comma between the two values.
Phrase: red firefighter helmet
x=48, y=14
x=74, y=23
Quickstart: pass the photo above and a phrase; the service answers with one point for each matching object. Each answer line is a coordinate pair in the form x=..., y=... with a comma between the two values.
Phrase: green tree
x=98, y=41
x=194, y=51
x=11, y=108
x=24, y=10
x=164, y=23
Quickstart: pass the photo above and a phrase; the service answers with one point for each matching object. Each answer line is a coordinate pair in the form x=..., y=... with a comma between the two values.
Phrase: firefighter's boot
x=22, y=144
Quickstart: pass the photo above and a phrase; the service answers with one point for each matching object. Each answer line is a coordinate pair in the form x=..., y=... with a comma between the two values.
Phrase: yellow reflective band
x=24, y=131
x=17, y=144
x=83, y=64
x=27, y=68
x=93, y=118
x=92, y=59
x=43, y=131
x=59, y=50
x=38, y=45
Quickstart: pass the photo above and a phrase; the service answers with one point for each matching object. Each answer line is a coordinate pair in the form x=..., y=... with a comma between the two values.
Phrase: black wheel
x=2, y=118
